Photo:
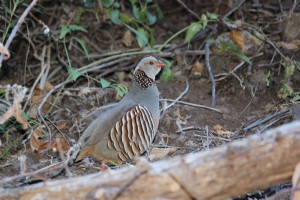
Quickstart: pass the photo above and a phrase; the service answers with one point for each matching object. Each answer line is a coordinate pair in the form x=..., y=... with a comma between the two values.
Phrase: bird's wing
x=101, y=126
x=133, y=133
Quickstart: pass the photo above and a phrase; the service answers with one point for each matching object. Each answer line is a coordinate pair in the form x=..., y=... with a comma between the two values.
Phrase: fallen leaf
x=61, y=126
x=127, y=38
x=36, y=140
x=39, y=143
x=84, y=91
x=287, y=46
x=238, y=37
x=16, y=110
x=197, y=68
x=159, y=153
x=36, y=99
x=59, y=143
x=221, y=131
x=4, y=51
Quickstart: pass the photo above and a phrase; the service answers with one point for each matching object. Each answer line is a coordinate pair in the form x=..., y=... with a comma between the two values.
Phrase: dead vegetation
x=233, y=71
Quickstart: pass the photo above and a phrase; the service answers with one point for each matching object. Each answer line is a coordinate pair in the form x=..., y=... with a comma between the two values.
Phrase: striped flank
x=133, y=134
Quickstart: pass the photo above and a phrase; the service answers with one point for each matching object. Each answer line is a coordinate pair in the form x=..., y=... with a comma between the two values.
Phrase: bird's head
x=150, y=65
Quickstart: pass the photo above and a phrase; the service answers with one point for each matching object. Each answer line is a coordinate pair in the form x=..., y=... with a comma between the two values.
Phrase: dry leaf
x=221, y=131
x=16, y=110
x=48, y=86
x=61, y=126
x=197, y=68
x=127, y=39
x=4, y=51
x=159, y=153
x=84, y=91
x=287, y=46
x=36, y=142
x=36, y=99
x=59, y=143
x=238, y=37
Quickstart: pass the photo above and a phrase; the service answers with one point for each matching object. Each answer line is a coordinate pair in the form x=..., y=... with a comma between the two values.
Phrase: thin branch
x=188, y=9
x=240, y=3
x=193, y=105
x=261, y=121
x=16, y=28
x=179, y=97
x=52, y=167
x=211, y=76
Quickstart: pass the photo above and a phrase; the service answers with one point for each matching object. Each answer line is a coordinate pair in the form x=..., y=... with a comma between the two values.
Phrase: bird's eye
x=151, y=62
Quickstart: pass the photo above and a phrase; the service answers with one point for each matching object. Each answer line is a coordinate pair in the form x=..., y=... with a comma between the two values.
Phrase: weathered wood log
x=236, y=168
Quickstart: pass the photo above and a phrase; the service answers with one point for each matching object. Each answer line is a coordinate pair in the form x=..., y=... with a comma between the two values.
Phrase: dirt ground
x=183, y=128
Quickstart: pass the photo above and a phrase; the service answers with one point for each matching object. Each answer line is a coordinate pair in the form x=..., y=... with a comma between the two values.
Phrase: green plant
x=232, y=48
x=9, y=16
x=120, y=88
x=67, y=30
x=286, y=91
x=140, y=20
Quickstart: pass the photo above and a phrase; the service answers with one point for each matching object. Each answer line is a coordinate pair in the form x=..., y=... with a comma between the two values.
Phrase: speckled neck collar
x=142, y=79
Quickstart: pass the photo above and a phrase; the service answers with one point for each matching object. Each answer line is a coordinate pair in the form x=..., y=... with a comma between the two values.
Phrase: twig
x=261, y=121
x=39, y=110
x=188, y=9
x=179, y=97
x=16, y=28
x=192, y=128
x=253, y=96
x=240, y=3
x=270, y=124
x=55, y=166
x=193, y=105
x=211, y=76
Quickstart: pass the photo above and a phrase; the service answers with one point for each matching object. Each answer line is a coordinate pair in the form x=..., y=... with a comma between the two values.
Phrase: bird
x=127, y=129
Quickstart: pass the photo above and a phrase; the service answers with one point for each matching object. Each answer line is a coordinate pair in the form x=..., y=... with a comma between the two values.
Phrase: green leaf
x=114, y=16
x=136, y=12
x=152, y=39
x=159, y=12
x=210, y=41
x=78, y=14
x=89, y=3
x=204, y=20
x=289, y=71
x=167, y=72
x=64, y=31
x=82, y=44
x=267, y=78
x=192, y=30
x=151, y=18
x=133, y=2
x=141, y=35
x=73, y=73
x=241, y=55
x=107, y=3
x=24, y=116
x=75, y=27
x=104, y=83
x=212, y=16
x=230, y=47
x=125, y=18
x=2, y=91
x=296, y=98
x=117, y=5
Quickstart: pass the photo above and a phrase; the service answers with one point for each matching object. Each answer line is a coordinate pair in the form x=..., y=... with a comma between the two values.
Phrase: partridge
x=127, y=129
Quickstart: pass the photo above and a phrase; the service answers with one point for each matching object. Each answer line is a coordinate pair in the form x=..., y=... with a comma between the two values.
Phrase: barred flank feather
x=133, y=133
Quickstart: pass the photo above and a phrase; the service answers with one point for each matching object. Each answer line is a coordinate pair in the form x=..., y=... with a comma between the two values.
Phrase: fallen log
x=236, y=168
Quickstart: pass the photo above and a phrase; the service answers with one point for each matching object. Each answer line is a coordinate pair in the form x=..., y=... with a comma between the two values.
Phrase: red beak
x=160, y=64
